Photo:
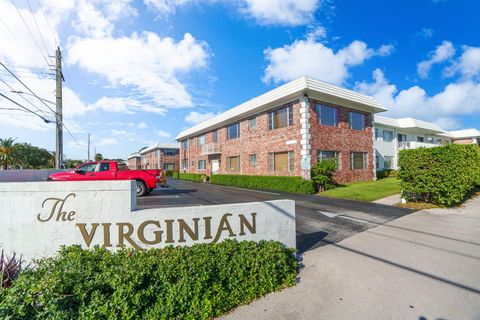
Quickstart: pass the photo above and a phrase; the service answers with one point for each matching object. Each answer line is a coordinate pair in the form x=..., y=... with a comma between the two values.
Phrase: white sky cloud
x=442, y=53
x=456, y=99
x=142, y=125
x=467, y=66
x=145, y=62
x=312, y=58
x=195, y=117
x=163, y=134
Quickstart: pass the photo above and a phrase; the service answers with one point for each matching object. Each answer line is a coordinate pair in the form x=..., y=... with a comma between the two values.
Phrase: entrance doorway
x=215, y=166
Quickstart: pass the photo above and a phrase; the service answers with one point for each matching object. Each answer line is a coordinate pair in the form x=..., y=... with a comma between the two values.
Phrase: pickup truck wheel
x=141, y=189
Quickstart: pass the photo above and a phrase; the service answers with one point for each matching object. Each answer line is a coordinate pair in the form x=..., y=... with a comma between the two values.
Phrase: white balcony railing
x=405, y=145
x=211, y=148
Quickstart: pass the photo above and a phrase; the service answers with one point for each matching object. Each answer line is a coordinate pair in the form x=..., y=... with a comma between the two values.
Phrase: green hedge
x=198, y=282
x=387, y=173
x=441, y=175
x=170, y=173
x=277, y=183
x=190, y=176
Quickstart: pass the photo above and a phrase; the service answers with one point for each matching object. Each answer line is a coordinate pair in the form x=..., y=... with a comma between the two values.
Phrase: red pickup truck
x=147, y=180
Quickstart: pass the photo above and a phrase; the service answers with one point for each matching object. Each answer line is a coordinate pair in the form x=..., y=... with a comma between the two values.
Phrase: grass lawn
x=365, y=190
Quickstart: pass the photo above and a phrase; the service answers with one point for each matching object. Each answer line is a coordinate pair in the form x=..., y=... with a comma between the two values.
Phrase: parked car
x=147, y=180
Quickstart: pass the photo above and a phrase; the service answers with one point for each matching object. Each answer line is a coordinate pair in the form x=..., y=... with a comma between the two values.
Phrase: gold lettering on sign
x=87, y=237
x=169, y=229
x=183, y=226
x=122, y=235
x=106, y=235
x=244, y=223
x=224, y=225
x=141, y=232
x=57, y=209
x=208, y=228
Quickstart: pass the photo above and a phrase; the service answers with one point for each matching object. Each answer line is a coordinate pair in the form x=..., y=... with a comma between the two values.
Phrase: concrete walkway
x=425, y=265
x=390, y=200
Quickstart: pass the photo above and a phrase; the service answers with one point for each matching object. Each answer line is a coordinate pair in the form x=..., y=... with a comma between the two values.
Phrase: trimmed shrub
x=198, y=282
x=276, y=183
x=387, y=173
x=322, y=174
x=441, y=175
x=191, y=176
x=170, y=173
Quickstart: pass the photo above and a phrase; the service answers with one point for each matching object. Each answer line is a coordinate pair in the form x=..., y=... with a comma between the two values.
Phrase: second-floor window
x=357, y=121
x=185, y=144
x=215, y=136
x=201, y=140
x=170, y=152
x=387, y=136
x=327, y=116
x=233, y=131
x=280, y=118
x=252, y=123
x=401, y=137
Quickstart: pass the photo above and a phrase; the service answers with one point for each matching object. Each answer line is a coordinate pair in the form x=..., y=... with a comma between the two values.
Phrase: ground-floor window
x=329, y=155
x=387, y=162
x=253, y=160
x=184, y=164
x=281, y=161
x=358, y=160
x=233, y=163
x=169, y=166
x=202, y=164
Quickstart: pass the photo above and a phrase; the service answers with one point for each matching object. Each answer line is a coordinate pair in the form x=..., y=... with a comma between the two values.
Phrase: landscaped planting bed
x=275, y=183
x=198, y=282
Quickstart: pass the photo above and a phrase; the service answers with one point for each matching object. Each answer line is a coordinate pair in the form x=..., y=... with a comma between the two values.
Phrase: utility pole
x=88, y=159
x=59, y=115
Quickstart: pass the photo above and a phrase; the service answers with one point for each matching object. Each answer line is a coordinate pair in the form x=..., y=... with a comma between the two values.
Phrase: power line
x=27, y=87
x=18, y=43
x=31, y=33
x=13, y=90
x=23, y=107
x=71, y=135
x=38, y=29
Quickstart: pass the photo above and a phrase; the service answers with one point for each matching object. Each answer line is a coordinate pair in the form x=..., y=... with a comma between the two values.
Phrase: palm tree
x=6, y=151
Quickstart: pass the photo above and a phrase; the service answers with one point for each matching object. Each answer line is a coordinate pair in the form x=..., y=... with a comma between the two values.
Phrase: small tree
x=322, y=173
x=98, y=157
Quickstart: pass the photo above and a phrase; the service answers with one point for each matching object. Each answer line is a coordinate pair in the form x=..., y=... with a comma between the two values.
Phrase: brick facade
x=261, y=141
x=160, y=159
x=134, y=163
x=466, y=141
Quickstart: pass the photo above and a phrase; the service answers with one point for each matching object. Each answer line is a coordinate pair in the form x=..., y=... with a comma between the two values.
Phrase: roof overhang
x=288, y=92
x=410, y=125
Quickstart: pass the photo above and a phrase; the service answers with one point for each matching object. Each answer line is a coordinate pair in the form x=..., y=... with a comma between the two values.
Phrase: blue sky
x=139, y=72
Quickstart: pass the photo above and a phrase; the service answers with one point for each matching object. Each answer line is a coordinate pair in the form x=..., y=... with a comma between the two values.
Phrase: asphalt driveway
x=319, y=220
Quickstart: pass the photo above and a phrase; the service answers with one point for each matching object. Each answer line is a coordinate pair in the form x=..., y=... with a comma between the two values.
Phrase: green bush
x=198, y=282
x=170, y=173
x=387, y=173
x=191, y=176
x=322, y=174
x=441, y=175
x=277, y=183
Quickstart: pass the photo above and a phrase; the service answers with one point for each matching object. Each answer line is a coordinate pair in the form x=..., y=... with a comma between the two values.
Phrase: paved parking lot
x=319, y=220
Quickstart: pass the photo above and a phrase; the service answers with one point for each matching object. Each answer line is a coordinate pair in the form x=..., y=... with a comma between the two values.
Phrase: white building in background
x=467, y=136
x=393, y=135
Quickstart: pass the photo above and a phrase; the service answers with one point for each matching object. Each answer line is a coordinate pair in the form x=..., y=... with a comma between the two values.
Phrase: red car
x=147, y=180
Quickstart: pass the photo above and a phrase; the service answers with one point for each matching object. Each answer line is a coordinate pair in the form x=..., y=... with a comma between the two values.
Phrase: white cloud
x=145, y=62
x=448, y=123
x=195, y=117
x=442, y=53
x=163, y=134
x=281, y=12
x=106, y=142
x=91, y=21
x=308, y=57
x=456, y=99
x=124, y=105
x=142, y=125
x=316, y=33
x=385, y=50
x=468, y=65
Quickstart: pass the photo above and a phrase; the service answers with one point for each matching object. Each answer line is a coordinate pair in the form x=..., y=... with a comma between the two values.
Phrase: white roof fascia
x=467, y=133
x=409, y=124
x=290, y=91
x=160, y=145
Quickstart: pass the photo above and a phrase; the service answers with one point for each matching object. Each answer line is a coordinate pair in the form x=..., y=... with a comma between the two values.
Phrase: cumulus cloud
x=163, y=134
x=442, y=53
x=142, y=125
x=195, y=117
x=145, y=62
x=124, y=105
x=312, y=58
x=456, y=99
x=467, y=66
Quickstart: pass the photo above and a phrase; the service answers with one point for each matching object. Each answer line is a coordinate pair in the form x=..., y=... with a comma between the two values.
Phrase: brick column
x=305, y=152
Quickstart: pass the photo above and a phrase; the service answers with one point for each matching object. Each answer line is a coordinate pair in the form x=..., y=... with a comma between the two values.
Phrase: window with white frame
x=253, y=160
x=376, y=133
x=280, y=118
x=401, y=137
x=357, y=121
x=215, y=136
x=420, y=139
x=252, y=123
x=233, y=131
x=202, y=164
x=281, y=161
x=387, y=136
x=327, y=116
x=387, y=162
x=185, y=144
x=329, y=155
x=358, y=160
x=185, y=164
x=201, y=140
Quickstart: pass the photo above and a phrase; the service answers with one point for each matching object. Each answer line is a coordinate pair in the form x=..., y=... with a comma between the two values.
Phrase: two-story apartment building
x=162, y=155
x=284, y=132
x=466, y=136
x=134, y=161
x=393, y=135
